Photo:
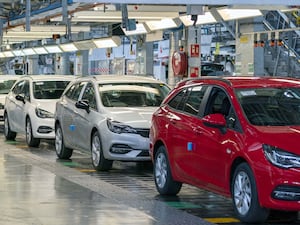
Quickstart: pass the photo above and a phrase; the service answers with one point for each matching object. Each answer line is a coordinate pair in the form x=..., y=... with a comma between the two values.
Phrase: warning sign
x=195, y=50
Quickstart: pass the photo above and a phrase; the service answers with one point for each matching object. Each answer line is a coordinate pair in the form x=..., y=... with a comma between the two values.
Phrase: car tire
x=245, y=198
x=164, y=182
x=30, y=140
x=98, y=160
x=9, y=135
x=61, y=150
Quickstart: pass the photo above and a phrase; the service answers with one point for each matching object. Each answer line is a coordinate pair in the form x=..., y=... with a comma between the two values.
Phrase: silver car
x=109, y=116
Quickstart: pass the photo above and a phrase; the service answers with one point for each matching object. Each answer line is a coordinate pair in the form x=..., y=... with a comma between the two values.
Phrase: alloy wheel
x=96, y=150
x=161, y=170
x=242, y=193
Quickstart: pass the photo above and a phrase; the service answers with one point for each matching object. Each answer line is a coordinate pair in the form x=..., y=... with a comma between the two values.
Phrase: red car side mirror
x=216, y=120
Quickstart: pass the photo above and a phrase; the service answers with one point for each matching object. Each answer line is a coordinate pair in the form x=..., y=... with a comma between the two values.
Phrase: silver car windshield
x=132, y=94
x=49, y=89
x=271, y=106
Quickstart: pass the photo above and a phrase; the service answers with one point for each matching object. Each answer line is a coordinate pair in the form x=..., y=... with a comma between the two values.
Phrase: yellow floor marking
x=86, y=170
x=222, y=220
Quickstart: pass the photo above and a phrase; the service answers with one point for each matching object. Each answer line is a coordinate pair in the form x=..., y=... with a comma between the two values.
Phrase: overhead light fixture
x=110, y=42
x=166, y=23
x=51, y=28
x=29, y=34
x=85, y=45
x=234, y=14
x=140, y=29
x=69, y=47
x=2, y=55
x=8, y=54
x=40, y=50
x=53, y=49
x=18, y=52
x=28, y=51
x=206, y=18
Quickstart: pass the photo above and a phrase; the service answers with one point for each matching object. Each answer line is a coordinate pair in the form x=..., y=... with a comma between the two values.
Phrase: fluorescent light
x=18, y=52
x=51, y=28
x=2, y=55
x=162, y=24
x=28, y=51
x=8, y=54
x=85, y=45
x=113, y=41
x=53, y=49
x=140, y=29
x=233, y=14
x=69, y=47
x=40, y=50
x=207, y=18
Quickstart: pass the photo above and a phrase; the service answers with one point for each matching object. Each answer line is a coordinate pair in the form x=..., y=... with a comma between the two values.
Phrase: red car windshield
x=271, y=106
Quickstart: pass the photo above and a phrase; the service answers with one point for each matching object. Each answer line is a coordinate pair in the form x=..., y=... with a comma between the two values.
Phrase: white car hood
x=137, y=117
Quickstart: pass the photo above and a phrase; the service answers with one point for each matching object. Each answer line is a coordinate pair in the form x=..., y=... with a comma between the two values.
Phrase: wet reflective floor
x=37, y=188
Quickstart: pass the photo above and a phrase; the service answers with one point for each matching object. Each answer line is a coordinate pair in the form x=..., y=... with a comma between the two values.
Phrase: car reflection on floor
x=138, y=179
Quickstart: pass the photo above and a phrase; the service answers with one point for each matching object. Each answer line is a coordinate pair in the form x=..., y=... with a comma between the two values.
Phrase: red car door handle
x=197, y=130
x=173, y=121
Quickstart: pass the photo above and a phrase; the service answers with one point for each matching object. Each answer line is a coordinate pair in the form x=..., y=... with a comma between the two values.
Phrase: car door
x=213, y=148
x=85, y=118
x=68, y=113
x=182, y=131
x=17, y=101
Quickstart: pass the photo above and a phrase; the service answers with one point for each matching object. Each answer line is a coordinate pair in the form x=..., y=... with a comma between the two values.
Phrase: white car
x=6, y=82
x=109, y=116
x=30, y=106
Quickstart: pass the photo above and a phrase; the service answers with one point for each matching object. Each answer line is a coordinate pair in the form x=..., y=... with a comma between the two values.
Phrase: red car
x=235, y=136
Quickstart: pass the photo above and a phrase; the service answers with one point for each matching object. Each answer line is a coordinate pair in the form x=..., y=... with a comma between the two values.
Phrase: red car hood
x=284, y=137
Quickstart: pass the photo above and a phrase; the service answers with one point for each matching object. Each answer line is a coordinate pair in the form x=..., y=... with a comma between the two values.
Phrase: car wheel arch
x=234, y=165
x=94, y=130
x=26, y=118
x=156, y=147
x=56, y=124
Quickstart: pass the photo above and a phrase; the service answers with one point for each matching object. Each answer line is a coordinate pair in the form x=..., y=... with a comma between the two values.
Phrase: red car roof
x=246, y=81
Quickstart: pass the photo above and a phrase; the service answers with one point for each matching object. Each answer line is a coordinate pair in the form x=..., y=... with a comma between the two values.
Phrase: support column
x=63, y=64
x=194, y=51
x=149, y=57
x=171, y=78
x=1, y=25
x=85, y=62
x=244, y=65
x=259, y=58
x=28, y=12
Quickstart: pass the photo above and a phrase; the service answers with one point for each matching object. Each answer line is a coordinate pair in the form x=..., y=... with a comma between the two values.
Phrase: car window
x=74, y=91
x=194, y=99
x=177, y=101
x=6, y=85
x=218, y=102
x=89, y=96
x=18, y=88
x=48, y=89
x=271, y=106
x=132, y=94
